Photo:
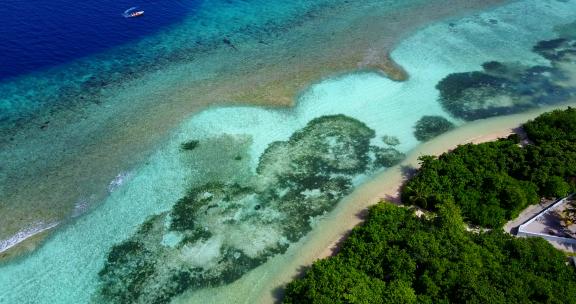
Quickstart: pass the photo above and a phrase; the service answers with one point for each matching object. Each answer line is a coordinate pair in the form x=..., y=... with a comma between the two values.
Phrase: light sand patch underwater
x=238, y=186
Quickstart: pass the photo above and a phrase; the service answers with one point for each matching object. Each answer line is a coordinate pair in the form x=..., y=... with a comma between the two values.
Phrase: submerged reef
x=386, y=157
x=219, y=231
x=390, y=140
x=190, y=145
x=506, y=88
x=567, y=30
x=429, y=127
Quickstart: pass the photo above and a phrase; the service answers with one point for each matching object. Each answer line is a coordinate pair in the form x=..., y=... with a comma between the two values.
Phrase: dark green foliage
x=549, y=160
x=395, y=257
x=190, y=145
x=553, y=126
x=479, y=178
x=493, y=182
x=556, y=187
x=429, y=127
x=476, y=178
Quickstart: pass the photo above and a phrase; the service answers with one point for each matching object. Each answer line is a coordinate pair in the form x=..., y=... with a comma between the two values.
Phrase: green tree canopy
x=396, y=257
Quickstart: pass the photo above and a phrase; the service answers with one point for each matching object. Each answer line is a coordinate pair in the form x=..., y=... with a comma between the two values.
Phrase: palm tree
x=568, y=217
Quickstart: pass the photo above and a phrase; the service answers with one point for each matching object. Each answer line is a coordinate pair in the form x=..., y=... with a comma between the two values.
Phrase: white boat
x=132, y=12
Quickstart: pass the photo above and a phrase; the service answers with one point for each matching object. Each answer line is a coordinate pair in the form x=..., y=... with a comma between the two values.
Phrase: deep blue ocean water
x=37, y=34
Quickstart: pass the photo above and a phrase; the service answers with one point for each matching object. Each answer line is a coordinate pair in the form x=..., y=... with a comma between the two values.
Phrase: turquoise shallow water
x=87, y=122
x=232, y=140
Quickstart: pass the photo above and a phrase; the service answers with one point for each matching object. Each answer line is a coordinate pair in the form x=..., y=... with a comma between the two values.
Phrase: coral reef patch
x=190, y=145
x=221, y=230
x=506, y=88
x=429, y=127
x=390, y=140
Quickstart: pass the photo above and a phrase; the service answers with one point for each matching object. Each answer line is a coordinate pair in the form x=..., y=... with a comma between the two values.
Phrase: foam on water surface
x=25, y=234
x=232, y=139
x=65, y=270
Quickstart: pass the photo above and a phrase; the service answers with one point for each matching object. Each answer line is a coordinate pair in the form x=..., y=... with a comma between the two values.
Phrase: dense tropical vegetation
x=492, y=182
x=553, y=127
x=398, y=257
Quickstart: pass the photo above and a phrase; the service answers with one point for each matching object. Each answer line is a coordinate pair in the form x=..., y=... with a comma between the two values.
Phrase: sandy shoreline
x=265, y=284
x=323, y=240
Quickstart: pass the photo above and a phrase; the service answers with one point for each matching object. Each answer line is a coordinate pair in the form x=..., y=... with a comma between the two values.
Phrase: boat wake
x=132, y=12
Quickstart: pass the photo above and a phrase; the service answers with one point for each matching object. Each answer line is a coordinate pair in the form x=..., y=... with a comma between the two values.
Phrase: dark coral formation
x=334, y=144
x=429, y=127
x=219, y=231
x=390, y=140
x=190, y=145
x=557, y=50
x=567, y=31
x=503, y=88
x=386, y=157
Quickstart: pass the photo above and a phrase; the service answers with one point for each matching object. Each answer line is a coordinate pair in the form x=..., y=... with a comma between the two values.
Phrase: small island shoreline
x=323, y=241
